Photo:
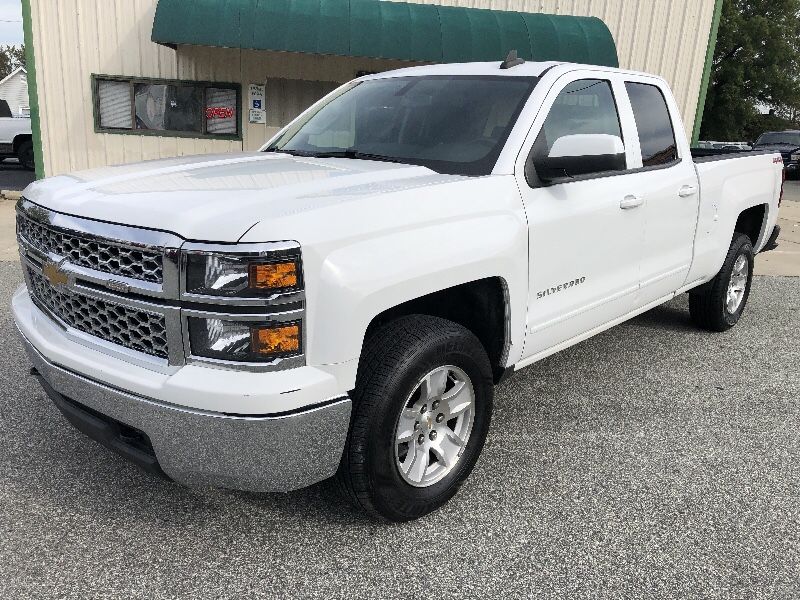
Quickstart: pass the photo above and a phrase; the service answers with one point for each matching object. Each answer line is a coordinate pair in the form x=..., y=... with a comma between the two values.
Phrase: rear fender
x=728, y=188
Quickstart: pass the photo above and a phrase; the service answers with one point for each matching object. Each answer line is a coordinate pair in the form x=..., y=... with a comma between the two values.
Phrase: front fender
x=359, y=281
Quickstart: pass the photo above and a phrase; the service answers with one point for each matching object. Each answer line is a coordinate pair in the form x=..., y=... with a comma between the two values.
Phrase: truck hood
x=220, y=197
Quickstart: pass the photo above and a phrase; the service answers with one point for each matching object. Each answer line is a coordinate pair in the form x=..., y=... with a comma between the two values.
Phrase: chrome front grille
x=120, y=289
x=133, y=328
x=100, y=255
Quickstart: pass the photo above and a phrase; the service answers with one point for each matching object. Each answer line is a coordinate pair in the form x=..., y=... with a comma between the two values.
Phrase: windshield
x=787, y=138
x=451, y=124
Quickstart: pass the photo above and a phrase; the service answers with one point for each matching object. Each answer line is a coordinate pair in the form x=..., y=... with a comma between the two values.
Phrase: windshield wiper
x=349, y=153
x=291, y=152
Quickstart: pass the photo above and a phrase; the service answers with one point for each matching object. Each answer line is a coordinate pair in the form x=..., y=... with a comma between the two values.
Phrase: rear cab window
x=654, y=124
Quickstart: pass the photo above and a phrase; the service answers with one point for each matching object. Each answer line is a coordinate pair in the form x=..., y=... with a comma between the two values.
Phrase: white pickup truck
x=344, y=301
x=16, y=139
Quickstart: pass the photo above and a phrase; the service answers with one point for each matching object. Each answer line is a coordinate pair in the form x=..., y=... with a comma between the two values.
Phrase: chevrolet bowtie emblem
x=54, y=274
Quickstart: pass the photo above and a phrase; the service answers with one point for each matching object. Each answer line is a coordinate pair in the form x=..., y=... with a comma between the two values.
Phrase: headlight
x=226, y=280
x=244, y=341
x=795, y=157
x=241, y=271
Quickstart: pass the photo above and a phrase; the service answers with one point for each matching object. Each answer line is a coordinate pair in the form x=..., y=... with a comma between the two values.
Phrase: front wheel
x=718, y=305
x=421, y=411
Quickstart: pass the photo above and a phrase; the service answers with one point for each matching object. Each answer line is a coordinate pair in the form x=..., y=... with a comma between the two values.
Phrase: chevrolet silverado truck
x=343, y=302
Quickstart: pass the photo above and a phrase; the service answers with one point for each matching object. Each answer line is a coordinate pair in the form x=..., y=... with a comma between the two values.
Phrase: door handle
x=687, y=190
x=631, y=201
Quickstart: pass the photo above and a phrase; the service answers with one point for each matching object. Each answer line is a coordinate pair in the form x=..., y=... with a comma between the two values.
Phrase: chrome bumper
x=196, y=448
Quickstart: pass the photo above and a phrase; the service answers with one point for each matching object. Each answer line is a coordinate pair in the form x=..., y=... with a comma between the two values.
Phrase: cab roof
x=526, y=69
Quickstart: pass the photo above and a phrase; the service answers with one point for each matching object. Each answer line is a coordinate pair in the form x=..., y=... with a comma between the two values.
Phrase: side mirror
x=580, y=154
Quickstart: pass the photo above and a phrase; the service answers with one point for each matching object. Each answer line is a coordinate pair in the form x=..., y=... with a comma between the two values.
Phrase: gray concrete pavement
x=8, y=240
x=13, y=176
x=654, y=460
x=651, y=461
x=785, y=259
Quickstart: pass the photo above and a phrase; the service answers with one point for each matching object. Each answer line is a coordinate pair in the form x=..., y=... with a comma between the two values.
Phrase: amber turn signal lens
x=273, y=275
x=276, y=340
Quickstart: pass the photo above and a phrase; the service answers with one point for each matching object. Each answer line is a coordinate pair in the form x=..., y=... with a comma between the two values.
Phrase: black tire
x=708, y=303
x=394, y=359
x=25, y=155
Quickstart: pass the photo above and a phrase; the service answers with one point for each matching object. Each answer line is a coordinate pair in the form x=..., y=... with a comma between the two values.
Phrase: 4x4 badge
x=54, y=274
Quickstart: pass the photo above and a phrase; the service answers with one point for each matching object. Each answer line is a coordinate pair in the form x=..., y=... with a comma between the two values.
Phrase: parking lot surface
x=785, y=260
x=13, y=176
x=654, y=460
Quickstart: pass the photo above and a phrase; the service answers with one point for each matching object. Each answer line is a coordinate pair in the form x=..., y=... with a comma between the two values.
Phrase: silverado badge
x=54, y=274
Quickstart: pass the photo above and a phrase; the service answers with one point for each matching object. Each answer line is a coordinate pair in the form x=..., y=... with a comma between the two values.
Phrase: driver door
x=585, y=229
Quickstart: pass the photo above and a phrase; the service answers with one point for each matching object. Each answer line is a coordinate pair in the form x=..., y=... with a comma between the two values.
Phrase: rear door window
x=656, y=134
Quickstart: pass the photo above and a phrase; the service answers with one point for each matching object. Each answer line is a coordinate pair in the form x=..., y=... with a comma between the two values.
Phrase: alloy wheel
x=434, y=426
x=737, y=284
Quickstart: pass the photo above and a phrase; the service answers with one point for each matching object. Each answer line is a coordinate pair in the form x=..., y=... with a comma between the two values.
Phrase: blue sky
x=10, y=22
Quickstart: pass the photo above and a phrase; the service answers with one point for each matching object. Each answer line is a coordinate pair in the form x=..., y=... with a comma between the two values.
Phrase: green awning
x=382, y=29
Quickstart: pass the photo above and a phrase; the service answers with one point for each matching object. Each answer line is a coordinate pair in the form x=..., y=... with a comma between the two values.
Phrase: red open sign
x=219, y=112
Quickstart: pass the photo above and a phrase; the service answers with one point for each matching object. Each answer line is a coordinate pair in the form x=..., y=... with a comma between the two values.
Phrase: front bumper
x=201, y=426
x=198, y=448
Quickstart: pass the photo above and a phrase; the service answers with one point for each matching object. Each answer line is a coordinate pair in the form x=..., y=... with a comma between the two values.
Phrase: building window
x=166, y=107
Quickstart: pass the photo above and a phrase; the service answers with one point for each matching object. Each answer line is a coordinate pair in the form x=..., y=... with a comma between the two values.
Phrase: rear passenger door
x=664, y=176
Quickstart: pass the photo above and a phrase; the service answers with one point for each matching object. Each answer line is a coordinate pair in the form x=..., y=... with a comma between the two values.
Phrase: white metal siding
x=72, y=40
x=15, y=92
x=75, y=38
x=293, y=81
x=664, y=37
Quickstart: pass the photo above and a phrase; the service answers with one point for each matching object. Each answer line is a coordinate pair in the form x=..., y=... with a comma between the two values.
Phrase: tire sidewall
x=390, y=490
x=743, y=248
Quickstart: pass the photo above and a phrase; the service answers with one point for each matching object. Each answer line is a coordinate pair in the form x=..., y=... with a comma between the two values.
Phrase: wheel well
x=480, y=306
x=750, y=222
x=20, y=139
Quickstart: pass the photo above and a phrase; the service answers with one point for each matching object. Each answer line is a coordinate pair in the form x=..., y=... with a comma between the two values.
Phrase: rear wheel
x=25, y=155
x=718, y=305
x=421, y=412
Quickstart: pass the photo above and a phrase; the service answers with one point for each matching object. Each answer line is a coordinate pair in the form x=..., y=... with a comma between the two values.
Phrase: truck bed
x=710, y=154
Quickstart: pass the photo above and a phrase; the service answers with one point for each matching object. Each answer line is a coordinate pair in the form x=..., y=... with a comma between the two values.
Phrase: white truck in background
x=344, y=301
x=16, y=139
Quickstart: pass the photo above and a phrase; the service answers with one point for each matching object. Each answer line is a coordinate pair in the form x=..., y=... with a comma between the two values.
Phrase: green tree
x=11, y=57
x=756, y=63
